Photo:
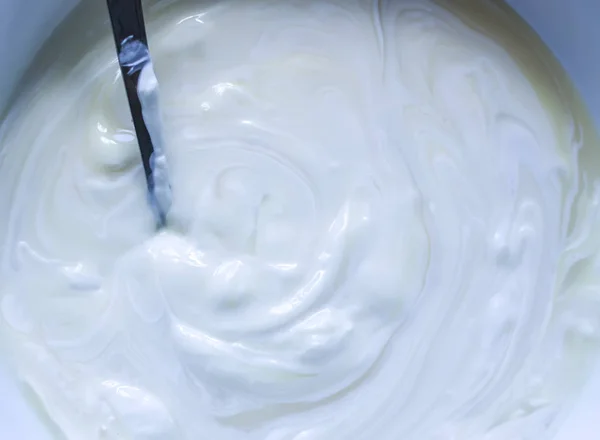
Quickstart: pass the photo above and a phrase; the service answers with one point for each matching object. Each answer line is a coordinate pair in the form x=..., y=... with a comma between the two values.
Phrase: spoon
x=129, y=31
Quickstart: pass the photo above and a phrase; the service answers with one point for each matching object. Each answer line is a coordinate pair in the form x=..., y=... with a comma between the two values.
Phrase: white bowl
x=569, y=27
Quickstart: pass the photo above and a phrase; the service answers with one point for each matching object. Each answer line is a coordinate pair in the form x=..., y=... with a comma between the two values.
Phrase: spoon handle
x=128, y=27
x=127, y=19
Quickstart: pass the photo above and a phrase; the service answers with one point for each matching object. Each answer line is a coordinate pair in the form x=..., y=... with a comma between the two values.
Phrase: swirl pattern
x=381, y=228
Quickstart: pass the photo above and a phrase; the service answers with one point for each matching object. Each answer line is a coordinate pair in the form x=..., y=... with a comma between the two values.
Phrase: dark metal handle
x=127, y=20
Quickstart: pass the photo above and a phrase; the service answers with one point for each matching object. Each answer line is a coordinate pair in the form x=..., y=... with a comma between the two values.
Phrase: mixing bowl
x=569, y=28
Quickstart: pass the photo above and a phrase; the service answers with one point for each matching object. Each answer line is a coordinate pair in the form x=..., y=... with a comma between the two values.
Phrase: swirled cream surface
x=384, y=226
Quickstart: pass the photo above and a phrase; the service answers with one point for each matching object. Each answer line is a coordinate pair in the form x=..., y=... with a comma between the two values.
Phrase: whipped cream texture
x=381, y=228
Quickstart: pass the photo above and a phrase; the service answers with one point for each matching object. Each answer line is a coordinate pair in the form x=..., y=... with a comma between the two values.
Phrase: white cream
x=161, y=196
x=134, y=57
x=379, y=230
